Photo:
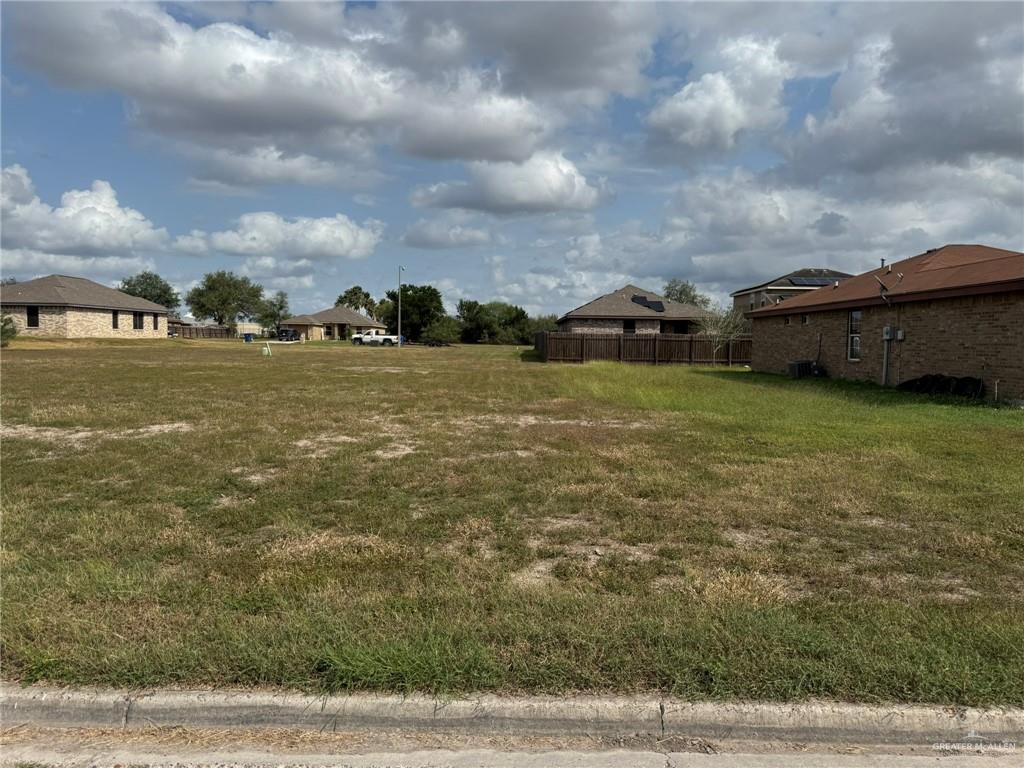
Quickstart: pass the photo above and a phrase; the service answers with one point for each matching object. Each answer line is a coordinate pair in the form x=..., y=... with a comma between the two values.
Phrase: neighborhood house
x=334, y=323
x=954, y=311
x=632, y=310
x=785, y=287
x=73, y=307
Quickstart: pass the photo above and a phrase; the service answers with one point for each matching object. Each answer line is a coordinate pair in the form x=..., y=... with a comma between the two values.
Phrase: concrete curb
x=820, y=722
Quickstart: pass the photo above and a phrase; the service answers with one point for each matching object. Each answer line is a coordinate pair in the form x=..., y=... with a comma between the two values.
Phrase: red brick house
x=956, y=311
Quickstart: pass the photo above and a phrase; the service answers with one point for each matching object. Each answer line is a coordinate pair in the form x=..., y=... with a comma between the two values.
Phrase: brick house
x=785, y=287
x=307, y=326
x=73, y=307
x=956, y=311
x=341, y=322
x=632, y=310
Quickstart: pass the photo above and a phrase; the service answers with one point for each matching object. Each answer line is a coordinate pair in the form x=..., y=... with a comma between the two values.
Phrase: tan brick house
x=632, y=310
x=340, y=322
x=307, y=326
x=785, y=287
x=73, y=307
x=956, y=311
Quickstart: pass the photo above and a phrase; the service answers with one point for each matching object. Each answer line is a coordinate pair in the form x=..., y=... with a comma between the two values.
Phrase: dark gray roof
x=621, y=304
x=301, y=320
x=798, y=280
x=65, y=291
x=346, y=316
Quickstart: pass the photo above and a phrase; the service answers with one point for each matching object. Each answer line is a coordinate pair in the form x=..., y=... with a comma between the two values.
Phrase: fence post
x=730, y=353
x=656, y=339
x=691, y=350
x=621, y=337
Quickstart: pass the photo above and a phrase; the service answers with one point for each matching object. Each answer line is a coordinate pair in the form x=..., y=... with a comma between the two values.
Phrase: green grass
x=464, y=519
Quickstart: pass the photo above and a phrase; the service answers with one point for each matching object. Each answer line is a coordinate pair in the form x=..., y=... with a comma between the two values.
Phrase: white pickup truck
x=375, y=337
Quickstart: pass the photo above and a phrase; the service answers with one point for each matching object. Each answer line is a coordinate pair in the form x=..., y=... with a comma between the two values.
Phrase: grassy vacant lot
x=338, y=518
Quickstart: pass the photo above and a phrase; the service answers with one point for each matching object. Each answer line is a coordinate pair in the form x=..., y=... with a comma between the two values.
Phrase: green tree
x=542, y=323
x=444, y=330
x=686, y=292
x=513, y=323
x=478, y=323
x=273, y=311
x=358, y=299
x=421, y=306
x=150, y=286
x=8, y=330
x=225, y=297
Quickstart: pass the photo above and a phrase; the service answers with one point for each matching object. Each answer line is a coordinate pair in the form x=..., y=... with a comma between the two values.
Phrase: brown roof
x=65, y=291
x=301, y=320
x=632, y=303
x=800, y=280
x=346, y=316
x=952, y=270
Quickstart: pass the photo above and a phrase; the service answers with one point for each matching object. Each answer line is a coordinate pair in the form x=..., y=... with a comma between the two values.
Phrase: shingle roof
x=301, y=320
x=65, y=291
x=952, y=270
x=799, y=275
x=346, y=316
x=621, y=304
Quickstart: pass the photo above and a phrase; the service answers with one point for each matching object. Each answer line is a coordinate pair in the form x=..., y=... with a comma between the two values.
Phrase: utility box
x=799, y=369
x=887, y=334
x=900, y=334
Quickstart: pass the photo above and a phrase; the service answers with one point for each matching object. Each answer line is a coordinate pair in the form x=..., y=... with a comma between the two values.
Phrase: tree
x=723, y=326
x=444, y=330
x=686, y=292
x=421, y=306
x=8, y=330
x=274, y=311
x=224, y=297
x=358, y=299
x=478, y=323
x=150, y=286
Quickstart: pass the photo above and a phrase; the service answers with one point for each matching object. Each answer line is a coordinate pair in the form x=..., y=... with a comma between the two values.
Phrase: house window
x=805, y=319
x=629, y=326
x=138, y=321
x=853, y=340
x=789, y=320
x=32, y=317
x=113, y=319
x=156, y=322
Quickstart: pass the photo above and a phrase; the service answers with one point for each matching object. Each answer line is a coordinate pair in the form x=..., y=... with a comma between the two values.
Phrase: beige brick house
x=955, y=311
x=73, y=307
x=632, y=310
x=785, y=287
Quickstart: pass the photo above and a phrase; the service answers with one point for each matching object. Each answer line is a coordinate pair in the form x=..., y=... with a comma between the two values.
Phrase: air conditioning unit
x=798, y=369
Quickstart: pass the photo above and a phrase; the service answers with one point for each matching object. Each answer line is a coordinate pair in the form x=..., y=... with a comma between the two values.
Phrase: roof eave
x=1005, y=286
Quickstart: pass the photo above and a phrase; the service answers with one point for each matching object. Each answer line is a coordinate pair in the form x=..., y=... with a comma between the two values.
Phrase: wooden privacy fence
x=653, y=348
x=201, y=331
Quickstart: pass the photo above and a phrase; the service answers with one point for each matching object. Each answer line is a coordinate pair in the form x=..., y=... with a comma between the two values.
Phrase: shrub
x=7, y=330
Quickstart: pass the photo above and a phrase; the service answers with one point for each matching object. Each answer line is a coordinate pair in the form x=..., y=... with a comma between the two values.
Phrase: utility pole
x=400, y=270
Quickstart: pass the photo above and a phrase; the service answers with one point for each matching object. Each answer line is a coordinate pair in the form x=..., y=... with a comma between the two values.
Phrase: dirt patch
x=256, y=478
x=536, y=575
x=595, y=553
x=394, y=451
x=322, y=445
x=79, y=437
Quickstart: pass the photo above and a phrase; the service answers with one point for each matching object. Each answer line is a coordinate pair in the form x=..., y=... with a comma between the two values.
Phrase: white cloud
x=268, y=234
x=546, y=182
x=444, y=234
x=87, y=223
x=744, y=95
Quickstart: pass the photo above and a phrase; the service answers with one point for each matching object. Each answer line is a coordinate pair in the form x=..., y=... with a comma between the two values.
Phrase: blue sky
x=535, y=153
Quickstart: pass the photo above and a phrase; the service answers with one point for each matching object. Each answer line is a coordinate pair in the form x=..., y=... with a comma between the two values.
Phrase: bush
x=444, y=330
x=7, y=330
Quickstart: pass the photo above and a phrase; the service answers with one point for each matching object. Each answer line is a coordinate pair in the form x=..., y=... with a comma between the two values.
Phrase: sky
x=535, y=153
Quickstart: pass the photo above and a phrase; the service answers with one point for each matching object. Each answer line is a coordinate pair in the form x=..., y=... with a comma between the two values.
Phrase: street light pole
x=400, y=270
